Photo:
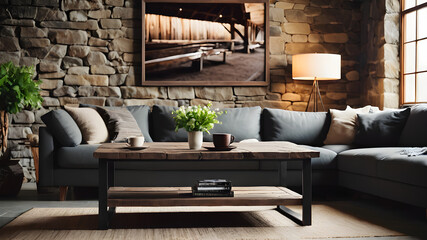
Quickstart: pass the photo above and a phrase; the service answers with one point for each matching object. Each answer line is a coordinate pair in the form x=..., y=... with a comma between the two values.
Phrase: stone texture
x=84, y=80
x=292, y=97
x=99, y=14
x=98, y=101
x=81, y=5
x=285, y=5
x=18, y=22
x=111, y=23
x=97, y=42
x=181, y=92
x=68, y=62
x=214, y=93
x=299, y=38
x=335, y=37
x=117, y=79
x=296, y=28
x=123, y=13
x=78, y=51
x=33, y=32
x=296, y=48
x=50, y=65
x=78, y=70
x=278, y=61
x=116, y=3
x=142, y=92
x=123, y=45
x=51, y=84
x=109, y=33
x=50, y=102
x=56, y=51
x=49, y=14
x=115, y=102
x=250, y=91
x=65, y=91
x=29, y=61
x=9, y=44
x=102, y=69
x=51, y=75
x=78, y=16
x=96, y=58
x=87, y=25
x=108, y=92
x=267, y=104
x=70, y=37
x=24, y=117
x=150, y=102
x=19, y=132
x=352, y=75
x=9, y=57
x=277, y=45
x=278, y=87
x=315, y=38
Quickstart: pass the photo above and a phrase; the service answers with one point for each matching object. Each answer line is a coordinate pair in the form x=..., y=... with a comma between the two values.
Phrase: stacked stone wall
x=90, y=52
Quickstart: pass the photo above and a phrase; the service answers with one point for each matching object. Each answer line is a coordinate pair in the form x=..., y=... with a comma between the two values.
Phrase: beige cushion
x=90, y=123
x=343, y=125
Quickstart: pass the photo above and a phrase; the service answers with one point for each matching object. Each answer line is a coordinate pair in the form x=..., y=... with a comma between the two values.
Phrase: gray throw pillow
x=120, y=123
x=63, y=128
x=141, y=114
x=382, y=129
x=163, y=125
x=242, y=123
x=414, y=133
x=309, y=128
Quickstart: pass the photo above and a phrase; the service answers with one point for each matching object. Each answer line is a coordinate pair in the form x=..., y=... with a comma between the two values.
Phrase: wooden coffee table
x=111, y=196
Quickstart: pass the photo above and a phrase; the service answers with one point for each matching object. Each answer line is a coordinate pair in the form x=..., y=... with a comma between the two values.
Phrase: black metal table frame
x=106, y=180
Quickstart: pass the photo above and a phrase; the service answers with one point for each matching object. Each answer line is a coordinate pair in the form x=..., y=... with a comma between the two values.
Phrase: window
x=414, y=51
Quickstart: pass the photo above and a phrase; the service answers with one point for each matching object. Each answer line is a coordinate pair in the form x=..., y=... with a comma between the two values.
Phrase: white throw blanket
x=412, y=152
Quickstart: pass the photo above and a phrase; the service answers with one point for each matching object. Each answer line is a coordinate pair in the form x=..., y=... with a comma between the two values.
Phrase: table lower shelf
x=181, y=196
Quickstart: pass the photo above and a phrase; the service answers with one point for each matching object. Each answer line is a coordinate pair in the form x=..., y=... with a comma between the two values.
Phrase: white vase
x=195, y=139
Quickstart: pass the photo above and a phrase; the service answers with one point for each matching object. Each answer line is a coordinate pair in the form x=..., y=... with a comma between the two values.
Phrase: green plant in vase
x=196, y=120
x=18, y=91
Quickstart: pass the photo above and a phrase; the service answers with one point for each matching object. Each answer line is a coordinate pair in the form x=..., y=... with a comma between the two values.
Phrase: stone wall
x=89, y=52
x=380, y=53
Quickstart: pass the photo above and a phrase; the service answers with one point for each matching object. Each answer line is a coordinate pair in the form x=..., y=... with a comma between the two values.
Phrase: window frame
x=402, y=51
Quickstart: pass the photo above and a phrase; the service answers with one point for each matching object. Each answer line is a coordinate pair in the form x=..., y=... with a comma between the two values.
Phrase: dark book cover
x=213, y=194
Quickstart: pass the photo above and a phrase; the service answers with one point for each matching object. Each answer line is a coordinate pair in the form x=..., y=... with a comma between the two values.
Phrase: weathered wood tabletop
x=180, y=151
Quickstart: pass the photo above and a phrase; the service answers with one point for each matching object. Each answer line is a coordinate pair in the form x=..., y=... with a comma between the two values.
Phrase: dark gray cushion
x=120, y=123
x=414, y=134
x=326, y=160
x=63, y=127
x=401, y=168
x=363, y=160
x=141, y=113
x=242, y=123
x=163, y=125
x=381, y=129
x=308, y=128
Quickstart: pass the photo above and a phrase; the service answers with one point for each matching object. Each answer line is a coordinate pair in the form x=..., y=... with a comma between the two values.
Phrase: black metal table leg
x=306, y=192
x=305, y=220
x=102, y=194
x=111, y=183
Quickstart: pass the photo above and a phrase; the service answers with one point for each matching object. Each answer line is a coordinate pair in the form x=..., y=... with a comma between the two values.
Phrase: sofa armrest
x=46, y=158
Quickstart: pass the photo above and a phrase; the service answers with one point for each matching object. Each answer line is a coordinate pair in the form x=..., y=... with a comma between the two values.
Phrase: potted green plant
x=18, y=91
x=196, y=120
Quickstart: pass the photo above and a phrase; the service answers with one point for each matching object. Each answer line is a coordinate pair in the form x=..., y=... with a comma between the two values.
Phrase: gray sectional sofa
x=383, y=171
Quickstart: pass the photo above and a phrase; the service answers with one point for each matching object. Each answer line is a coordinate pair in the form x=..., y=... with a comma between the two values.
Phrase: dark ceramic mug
x=222, y=140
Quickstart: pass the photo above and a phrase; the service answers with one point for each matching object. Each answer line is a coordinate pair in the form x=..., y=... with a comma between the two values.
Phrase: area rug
x=329, y=221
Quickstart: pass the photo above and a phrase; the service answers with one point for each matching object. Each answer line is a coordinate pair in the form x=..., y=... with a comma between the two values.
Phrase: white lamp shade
x=316, y=66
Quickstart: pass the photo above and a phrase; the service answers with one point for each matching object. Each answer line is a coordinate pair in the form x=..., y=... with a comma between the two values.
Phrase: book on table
x=213, y=188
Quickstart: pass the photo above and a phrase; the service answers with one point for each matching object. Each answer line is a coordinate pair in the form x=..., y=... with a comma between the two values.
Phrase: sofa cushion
x=327, y=159
x=381, y=129
x=343, y=125
x=77, y=157
x=401, y=168
x=298, y=127
x=63, y=128
x=120, y=123
x=90, y=124
x=163, y=126
x=338, y=148
x=414, y=134
x=141, y=114
x=242, y=123
x=363, y=160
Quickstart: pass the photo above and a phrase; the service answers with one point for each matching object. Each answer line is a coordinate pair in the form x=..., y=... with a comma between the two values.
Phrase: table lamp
x=316, y=67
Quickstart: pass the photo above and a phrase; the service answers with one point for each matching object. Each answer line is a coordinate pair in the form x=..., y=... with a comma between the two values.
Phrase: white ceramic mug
x=136, y=141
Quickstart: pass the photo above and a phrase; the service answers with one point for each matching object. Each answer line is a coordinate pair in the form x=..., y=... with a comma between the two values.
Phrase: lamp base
x=315, y=93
